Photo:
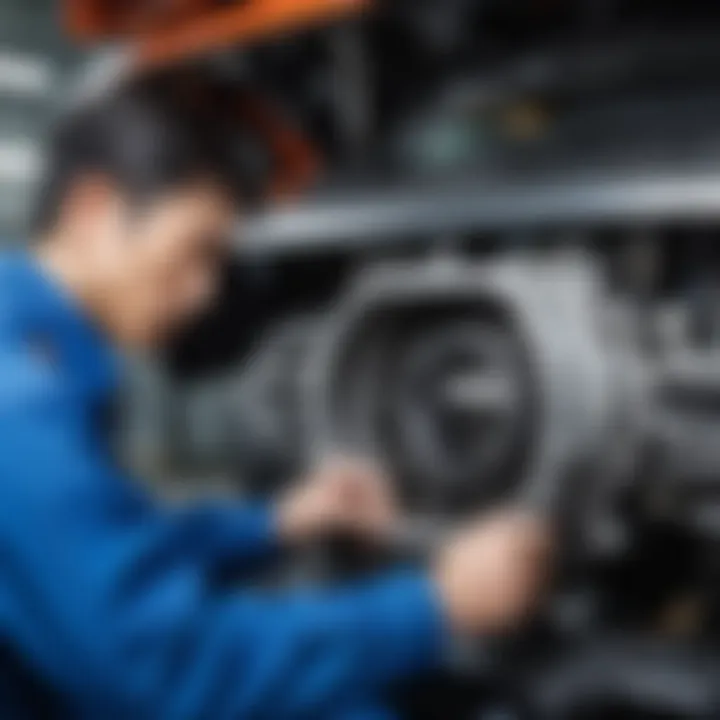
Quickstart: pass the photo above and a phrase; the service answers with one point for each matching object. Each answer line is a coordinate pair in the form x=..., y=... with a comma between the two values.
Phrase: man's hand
x=342, y=496
x=491, y=574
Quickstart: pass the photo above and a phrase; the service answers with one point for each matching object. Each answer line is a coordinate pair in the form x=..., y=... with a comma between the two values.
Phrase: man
x=107, y=607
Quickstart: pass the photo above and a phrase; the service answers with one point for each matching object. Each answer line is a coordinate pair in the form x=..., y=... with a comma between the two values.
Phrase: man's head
x=136, y=213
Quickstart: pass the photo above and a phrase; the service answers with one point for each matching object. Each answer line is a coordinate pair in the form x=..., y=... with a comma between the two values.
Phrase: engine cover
x=478, y=382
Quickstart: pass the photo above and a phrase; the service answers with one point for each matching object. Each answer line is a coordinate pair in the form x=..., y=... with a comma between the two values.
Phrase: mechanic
x=108, y=608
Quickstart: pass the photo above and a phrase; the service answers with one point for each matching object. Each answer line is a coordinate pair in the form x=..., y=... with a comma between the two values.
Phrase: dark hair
x=145, y=143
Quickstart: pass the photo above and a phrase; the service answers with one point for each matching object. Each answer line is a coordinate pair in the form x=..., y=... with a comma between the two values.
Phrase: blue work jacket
x=107, y=608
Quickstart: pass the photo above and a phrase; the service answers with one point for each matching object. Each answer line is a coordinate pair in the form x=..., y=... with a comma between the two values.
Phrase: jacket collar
x=53, y=323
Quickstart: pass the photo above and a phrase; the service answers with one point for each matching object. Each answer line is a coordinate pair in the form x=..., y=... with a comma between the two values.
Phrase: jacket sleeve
x=226, y=534
x=113, y=606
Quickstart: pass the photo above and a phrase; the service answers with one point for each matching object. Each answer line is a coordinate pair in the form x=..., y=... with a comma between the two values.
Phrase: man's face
x=159, y=266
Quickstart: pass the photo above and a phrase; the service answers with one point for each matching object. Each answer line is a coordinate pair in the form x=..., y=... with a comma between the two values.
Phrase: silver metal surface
x=364, y=219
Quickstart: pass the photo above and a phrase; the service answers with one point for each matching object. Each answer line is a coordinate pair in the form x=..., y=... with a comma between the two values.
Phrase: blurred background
x=35, y=56
x=486, y=256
